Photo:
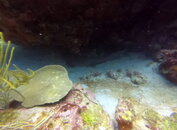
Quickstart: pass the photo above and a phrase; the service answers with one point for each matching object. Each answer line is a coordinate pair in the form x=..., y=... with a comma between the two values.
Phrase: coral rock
x=133, y=115
x=169, y=69
x=166, y=54
x=168, y=65
x=74, y=112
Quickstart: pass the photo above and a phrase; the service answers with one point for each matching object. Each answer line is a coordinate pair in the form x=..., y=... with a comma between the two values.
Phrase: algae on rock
x=74, y=112
x=49, y=85
x=142, y=116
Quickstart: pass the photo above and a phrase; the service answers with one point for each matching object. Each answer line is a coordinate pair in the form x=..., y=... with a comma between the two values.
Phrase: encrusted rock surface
x=133, y=115
x=169, y=69
x=168, y=65
x=165, y=54
x=75, y=111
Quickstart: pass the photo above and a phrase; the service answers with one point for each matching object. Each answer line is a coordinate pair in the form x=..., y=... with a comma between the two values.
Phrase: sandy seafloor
x=157, y=93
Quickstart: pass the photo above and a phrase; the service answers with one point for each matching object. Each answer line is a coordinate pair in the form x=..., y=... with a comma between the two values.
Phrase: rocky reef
x=76, y=25
x=82, y=30
x=168, y=65
x=169, y=70
x=62, y=104
x=133, y=115
x=75, y=111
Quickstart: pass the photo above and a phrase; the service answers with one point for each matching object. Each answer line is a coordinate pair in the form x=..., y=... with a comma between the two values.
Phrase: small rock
x=135, y=77
x=92, y=76
x=113, y=75
x=138, y=80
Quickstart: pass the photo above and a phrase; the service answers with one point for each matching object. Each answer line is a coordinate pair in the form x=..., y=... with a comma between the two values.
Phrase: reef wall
x=74, y=25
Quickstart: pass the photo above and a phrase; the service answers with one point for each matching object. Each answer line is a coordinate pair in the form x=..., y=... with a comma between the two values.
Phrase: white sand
x=157, y=93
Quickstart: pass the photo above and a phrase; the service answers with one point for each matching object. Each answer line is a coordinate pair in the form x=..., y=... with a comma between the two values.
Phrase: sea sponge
x=49, y=84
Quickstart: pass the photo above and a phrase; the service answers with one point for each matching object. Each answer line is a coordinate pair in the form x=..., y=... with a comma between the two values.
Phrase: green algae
x=9, y=79
x=5, y=84
x=89, y=117
x=49, y=84
x=128, y=116
x=152, y=117
x=8, y=116
x=161, y=122
x=94, y=117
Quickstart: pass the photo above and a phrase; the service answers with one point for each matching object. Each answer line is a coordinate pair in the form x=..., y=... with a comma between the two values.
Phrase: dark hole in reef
x=15, y=104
